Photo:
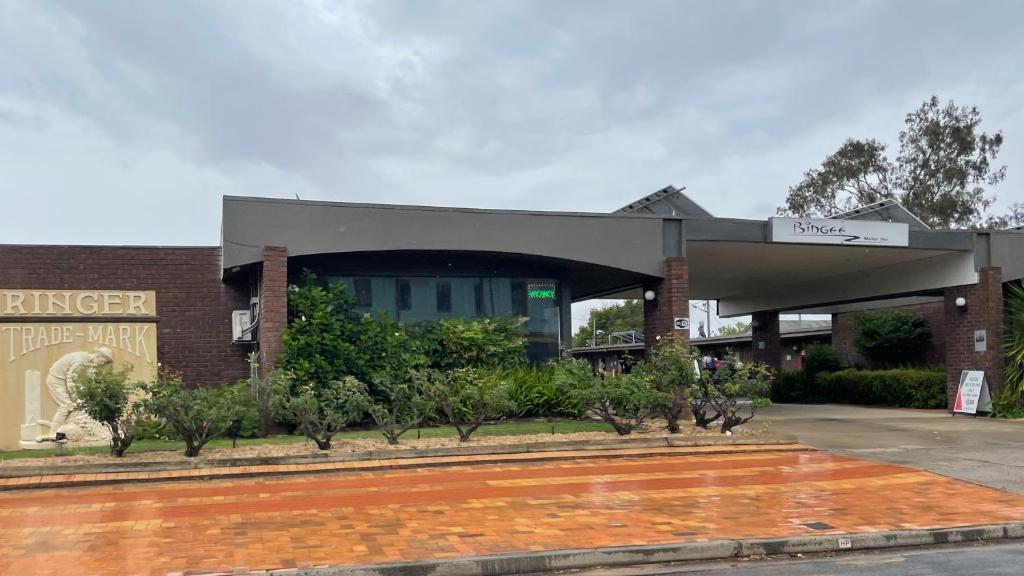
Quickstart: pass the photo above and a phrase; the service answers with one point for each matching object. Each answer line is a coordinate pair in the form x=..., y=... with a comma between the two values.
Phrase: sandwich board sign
x=972, y=394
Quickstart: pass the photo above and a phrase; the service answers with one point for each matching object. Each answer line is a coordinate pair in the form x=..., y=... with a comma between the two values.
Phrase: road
x=979, y=450
x=976, y=560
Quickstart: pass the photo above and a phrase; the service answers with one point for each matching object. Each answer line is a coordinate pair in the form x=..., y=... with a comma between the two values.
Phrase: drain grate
x=817, y=525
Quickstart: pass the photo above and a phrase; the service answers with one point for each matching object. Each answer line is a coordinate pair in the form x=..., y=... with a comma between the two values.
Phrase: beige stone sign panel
x=76, y=303
x=43, y=348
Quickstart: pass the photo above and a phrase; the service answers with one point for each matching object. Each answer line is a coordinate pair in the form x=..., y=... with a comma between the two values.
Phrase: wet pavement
x=475, y=509
x=986, y=451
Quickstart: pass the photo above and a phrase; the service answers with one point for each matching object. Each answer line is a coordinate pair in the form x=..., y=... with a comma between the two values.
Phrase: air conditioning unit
x=241, y=326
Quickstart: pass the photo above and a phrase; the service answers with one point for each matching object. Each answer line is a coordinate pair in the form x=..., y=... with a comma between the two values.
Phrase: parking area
x=476, y=509
x=981, y=450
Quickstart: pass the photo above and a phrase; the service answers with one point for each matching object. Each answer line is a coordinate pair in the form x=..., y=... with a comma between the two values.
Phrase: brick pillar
x=671, y=301
x=273, y=306
x=984, y=311
x=767, y=345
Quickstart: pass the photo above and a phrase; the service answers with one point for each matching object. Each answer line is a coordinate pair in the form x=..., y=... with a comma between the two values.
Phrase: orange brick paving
x=475, y=509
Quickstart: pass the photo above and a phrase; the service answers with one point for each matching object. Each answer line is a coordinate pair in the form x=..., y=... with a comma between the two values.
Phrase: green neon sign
x=541, y=292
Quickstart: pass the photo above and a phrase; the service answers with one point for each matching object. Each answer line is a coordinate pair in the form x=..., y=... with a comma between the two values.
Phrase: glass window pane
x=364, y=292
x=444, y=296
x=404, y=294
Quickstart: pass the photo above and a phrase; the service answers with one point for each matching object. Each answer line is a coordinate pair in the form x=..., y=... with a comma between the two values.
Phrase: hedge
x=898, y=388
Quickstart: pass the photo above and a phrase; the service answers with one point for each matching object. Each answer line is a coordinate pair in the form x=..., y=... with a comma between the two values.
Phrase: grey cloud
x=561, y=105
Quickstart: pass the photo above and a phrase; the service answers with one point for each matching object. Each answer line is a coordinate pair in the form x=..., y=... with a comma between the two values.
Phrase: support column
x=273, y=306
x=671, y=301
x=765, y=339
x=982, y=315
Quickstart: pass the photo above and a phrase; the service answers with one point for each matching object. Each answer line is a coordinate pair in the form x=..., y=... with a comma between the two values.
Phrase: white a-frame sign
x=972, y=395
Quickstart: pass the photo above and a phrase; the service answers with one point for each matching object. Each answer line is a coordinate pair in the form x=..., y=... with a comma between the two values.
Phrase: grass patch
x=503, y=429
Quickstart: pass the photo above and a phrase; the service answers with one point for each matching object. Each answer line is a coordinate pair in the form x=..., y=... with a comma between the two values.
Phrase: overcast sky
x=124, y=122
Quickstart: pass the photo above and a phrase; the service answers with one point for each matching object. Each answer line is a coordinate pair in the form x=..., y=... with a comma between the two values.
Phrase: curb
x=535, y=562
x=317, y=458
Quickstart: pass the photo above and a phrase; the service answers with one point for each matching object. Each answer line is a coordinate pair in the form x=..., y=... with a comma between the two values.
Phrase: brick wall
x=273, y=305
x=844, y=332
x=672, y=300
x=984, y=310
x=193, y=305
x=764, y=327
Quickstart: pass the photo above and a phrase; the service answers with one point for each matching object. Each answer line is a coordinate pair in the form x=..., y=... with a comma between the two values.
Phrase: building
x=208, y=311
x=794, y=338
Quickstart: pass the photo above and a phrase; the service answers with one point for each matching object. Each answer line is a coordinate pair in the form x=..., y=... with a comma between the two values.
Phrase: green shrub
x=453, y=343
x=734, y=382
x=821, y=358
x=1007, y=404
x=532, y=392
x=401, y=402
x=670, y=370
x=320, y=410
x=469, y=397
x=108, y=396
x=196, y=415
x=890, y=338
x=791, y=387
x=625, y=401
x=1013, y=342
x=898, y=388
x=148, y=428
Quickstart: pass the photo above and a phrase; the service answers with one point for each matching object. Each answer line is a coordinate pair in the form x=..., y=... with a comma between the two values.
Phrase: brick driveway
x=474, y=509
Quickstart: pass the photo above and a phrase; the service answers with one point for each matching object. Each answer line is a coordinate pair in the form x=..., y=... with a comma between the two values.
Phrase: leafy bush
x=625, y=401
x=196, y=415
x=1007, y=404
x=244, y=419
x=792, y=386
x=533, y=392
x=320, y=410
x=108, y=396
x=401, y=402
x=149, y=428
x=734, y=382
x=469, y=397
x=455, y=343
x=898, y=388
x=821, y=358
x=889, y=338
x=1013, y=345
x=670, y=370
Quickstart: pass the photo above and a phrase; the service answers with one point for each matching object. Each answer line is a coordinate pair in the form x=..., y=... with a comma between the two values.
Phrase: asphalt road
x=981, y=450
x=973, y=560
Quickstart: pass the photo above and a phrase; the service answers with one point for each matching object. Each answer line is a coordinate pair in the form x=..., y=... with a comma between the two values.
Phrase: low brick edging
x=31, y=477
x=577, y=559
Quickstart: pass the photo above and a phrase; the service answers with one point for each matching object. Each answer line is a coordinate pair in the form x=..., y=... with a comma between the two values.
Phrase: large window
x=425, y=299
x=444, y=296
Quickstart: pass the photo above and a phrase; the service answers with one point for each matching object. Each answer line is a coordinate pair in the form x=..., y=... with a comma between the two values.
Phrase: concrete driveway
x=980, y=450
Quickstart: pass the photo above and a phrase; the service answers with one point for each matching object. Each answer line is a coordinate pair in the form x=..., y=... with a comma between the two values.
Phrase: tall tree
x=944, y=164
x=623, y=317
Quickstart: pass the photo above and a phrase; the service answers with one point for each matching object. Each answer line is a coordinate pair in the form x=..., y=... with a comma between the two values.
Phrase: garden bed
x=502, y=437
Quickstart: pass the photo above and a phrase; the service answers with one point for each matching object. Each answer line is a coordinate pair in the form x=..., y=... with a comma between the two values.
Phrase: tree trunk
x=191, y=449
x=324, y=444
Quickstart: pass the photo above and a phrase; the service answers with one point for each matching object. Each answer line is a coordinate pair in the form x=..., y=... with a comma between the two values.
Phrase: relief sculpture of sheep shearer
x=60, y=381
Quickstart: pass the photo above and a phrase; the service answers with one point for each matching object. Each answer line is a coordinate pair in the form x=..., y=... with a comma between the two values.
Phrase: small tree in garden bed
x=704, y=412
x=671, y=371
x=400, y=403
x=734, y=382
x=625, y=401
x=109, y=397
x=195, y=414
x=469, y=397
x=320, y=411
